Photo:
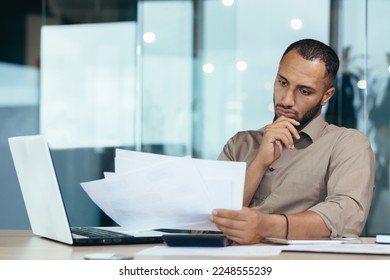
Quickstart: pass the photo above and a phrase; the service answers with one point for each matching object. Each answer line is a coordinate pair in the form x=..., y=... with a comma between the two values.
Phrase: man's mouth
x=288, y=113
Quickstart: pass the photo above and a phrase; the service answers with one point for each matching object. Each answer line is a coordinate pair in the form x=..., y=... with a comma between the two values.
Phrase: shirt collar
x=314, y=128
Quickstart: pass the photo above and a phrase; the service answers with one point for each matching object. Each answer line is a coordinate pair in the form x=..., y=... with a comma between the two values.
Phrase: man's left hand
x=242, y=226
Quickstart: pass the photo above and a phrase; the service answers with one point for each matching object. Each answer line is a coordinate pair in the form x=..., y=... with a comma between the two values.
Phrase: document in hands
x=150, y=191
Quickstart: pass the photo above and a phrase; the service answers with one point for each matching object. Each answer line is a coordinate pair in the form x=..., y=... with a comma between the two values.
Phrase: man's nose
x=288, y=99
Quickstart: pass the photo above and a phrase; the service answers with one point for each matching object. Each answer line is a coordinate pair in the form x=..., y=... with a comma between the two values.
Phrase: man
x=305, y=179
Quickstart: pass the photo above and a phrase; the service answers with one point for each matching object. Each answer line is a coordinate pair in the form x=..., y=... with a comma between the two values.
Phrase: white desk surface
x=23, y=245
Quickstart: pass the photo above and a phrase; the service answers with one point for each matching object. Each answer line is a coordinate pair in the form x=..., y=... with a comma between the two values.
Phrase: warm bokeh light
x=208, y=68
x=296, y=23
x=149, y=37
x=227, y=3
x=241, y=65
x=362, y=84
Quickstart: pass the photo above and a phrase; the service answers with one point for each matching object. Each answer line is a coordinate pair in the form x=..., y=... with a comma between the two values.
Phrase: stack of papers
x=371, y=249
x=149, y=191
x=281, y=241
x=230, y=251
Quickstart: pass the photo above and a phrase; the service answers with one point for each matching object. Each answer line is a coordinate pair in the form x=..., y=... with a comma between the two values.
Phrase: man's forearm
x=306, y=225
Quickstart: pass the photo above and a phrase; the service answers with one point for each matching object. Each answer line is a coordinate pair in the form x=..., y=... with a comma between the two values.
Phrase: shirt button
x=271, y=169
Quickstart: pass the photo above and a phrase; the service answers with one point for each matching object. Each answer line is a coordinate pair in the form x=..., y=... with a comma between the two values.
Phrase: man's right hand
x=276, y=135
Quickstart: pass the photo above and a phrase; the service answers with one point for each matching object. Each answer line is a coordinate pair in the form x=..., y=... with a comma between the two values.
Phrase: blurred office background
x=174, y=77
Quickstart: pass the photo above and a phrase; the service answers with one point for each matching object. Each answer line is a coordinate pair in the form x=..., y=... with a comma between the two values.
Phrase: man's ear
x=327, y=96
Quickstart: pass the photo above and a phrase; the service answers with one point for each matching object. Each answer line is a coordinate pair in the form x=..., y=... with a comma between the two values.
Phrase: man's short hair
x=311, y=49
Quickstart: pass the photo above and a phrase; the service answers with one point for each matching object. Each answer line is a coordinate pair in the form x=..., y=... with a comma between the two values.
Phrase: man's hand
x=249, y=226
x=276, y=135
x=245, y=226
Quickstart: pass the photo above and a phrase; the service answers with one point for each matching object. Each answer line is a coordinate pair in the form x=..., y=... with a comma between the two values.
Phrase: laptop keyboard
x=97, y=232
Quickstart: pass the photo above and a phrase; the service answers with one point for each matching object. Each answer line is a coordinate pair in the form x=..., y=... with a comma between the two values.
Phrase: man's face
x=300, y=88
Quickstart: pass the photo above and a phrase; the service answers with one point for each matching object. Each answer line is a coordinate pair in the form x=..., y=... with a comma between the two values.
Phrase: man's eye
x=305, y=91
x=282, y=82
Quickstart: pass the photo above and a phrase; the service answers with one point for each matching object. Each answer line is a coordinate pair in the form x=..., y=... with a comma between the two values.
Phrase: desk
x=23, y=245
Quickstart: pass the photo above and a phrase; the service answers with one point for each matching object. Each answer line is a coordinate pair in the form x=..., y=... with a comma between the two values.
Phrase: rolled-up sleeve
x=350, y=185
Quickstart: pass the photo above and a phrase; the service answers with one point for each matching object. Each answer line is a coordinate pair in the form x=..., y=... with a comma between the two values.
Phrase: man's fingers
x=239, y=226
x=280, y=134
x=289, y=124
x=282, y=130
x=228, y=219
x=283, y=119
x=234, y=235
x=280, y=147
x=232, y=229
x=226, y=213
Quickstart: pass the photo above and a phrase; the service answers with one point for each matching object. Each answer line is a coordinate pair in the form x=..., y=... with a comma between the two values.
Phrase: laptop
x=44, y=202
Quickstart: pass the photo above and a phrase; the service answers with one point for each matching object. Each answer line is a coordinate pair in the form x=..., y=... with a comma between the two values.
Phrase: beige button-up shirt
x=331, y=172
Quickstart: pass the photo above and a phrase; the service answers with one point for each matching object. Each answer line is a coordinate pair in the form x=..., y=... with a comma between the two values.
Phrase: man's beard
x=307, y=117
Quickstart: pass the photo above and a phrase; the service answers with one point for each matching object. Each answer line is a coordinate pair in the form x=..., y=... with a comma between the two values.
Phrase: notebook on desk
x=44, y=203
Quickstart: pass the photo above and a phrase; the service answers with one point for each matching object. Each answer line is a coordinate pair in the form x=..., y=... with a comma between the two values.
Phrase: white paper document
x=282, y=241
x=229, y=251
x=149, y=191
x=372, y=249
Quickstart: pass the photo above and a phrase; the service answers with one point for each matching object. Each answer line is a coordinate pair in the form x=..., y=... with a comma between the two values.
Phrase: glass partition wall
x=376, y=110
x=179, y=78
